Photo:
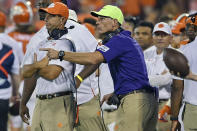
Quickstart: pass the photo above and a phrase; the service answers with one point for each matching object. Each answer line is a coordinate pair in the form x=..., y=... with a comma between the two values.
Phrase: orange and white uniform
x=22, y=14
x=21, y=37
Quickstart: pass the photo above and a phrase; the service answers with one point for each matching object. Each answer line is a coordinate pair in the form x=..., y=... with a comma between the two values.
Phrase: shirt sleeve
x=28, y=58
x=89, y=40
x=65, y=45
x=114, y=48
x=29, y=54
x=176, y=77
x=160, y=80
x=83, y=39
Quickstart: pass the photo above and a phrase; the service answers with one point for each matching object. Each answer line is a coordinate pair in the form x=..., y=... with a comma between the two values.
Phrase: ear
x=116, y=23
x=63, y=20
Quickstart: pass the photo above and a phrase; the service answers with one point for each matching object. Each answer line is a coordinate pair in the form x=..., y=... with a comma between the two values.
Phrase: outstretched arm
x=91, y=58
x=191, y=76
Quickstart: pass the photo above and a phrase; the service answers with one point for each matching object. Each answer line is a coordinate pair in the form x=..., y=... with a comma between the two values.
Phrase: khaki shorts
x=55, y=114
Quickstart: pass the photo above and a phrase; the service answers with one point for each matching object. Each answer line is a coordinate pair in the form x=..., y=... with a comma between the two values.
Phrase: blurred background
x=148, y=10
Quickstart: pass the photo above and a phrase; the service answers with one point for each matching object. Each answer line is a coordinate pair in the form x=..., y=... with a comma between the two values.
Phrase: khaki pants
x=55, y=114
x=90, y=117
x=110, y=117
x=163, y=126
x=137, y=112
x=190, y=117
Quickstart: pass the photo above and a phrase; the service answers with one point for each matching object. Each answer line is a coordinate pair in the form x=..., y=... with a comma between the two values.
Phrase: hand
x=14, y=99
x=24, y=113
x=42, y=63
x=164, y=72
x=191, y=76
x=175, y=125
x=77, y=82
x=105, y=98
x=52, y=54
x=166, y=110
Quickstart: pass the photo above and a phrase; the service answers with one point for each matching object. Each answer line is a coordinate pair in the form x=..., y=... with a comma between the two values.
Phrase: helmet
x=192, y=19
x=3, y=19
x=22, y=13
x=176, y=29
x=181, y=18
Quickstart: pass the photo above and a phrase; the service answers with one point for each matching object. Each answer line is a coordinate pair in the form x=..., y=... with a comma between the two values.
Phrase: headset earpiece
x=109, y=35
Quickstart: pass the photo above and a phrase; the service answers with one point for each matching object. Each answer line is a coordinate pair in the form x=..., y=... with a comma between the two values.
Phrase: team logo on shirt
x=103, y=48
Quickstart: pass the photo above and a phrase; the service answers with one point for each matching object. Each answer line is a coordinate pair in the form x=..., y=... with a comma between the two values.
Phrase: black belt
x=51, y=96
x=135, y=92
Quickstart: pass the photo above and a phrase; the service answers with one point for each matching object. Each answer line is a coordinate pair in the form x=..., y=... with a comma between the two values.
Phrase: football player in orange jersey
x=22, y=16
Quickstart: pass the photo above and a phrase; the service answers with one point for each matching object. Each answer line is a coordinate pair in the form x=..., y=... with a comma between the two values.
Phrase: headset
x=57, y=33
x=108, y=35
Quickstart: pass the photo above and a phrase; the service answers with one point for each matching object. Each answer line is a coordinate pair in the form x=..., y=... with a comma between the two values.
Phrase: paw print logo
x=161, y=25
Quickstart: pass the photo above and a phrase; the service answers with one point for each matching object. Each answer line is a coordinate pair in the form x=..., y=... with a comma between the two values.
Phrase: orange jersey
x=21, y=37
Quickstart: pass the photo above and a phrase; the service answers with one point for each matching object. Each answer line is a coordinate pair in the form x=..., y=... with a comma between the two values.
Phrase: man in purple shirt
x=138, y=105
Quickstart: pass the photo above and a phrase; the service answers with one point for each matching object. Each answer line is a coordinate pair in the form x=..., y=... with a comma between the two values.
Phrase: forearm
x=29, y=86
x=176, y=97
x=50, y=72
x=15, y=84
x=192, y=76
x=29, y=70
x=91, y=58
x=88, y=70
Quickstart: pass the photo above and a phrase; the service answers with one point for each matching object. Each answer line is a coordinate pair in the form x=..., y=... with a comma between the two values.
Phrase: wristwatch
x=61, y=54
